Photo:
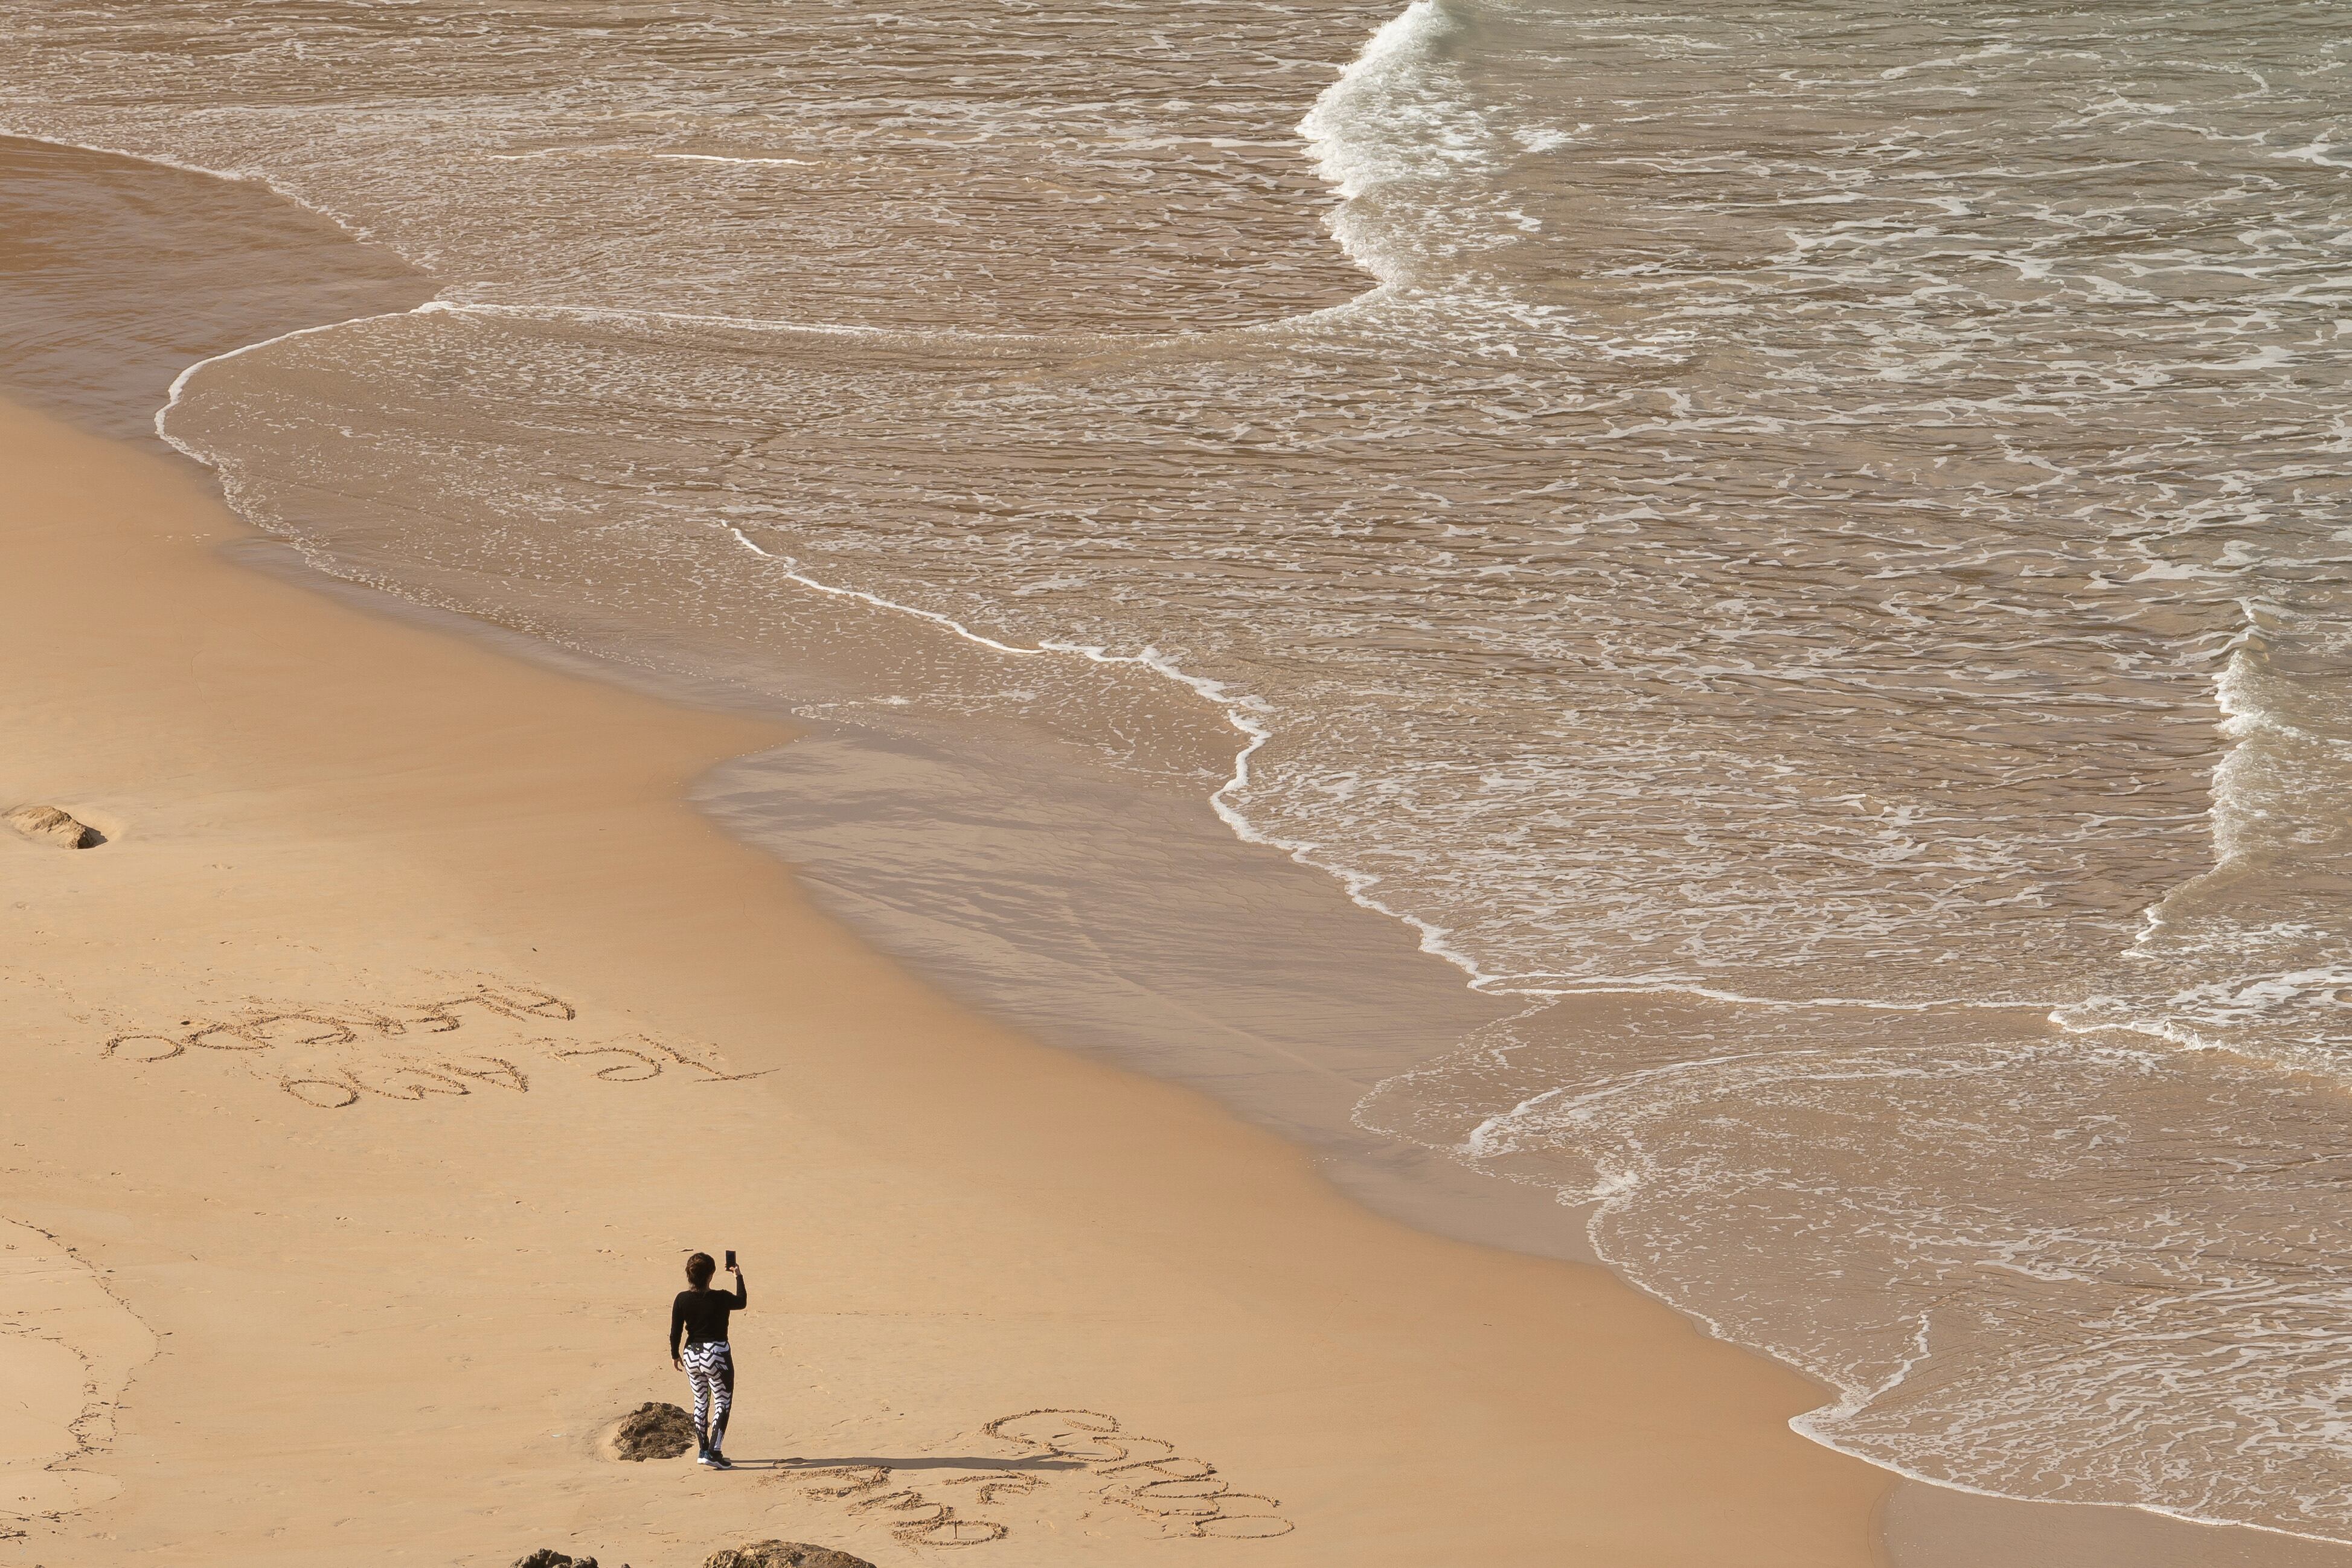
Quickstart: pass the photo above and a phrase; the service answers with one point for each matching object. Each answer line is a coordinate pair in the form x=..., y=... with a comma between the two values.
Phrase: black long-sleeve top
x=701, y=1315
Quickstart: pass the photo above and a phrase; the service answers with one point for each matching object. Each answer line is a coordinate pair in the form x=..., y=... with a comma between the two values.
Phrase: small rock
x=782, y=1554
x=51, y=826
x=548, y=1557
x=653, y=1431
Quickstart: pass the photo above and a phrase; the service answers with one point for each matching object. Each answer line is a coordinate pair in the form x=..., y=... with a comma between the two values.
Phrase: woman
x=700, y=1314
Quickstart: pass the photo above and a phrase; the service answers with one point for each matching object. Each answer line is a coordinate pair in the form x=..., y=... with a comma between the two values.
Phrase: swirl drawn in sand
x=1181, y=1497
x=336, y=1057
x=932, y=1524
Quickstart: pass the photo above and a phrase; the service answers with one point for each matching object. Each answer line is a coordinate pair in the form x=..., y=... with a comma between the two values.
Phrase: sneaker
x=719, y=1460
x=706, y=1457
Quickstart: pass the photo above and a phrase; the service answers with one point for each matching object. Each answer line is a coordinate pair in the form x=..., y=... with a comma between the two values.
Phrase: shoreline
x=225, y=720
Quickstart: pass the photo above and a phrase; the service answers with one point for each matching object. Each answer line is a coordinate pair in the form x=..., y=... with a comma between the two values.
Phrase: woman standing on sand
x=700, y=1314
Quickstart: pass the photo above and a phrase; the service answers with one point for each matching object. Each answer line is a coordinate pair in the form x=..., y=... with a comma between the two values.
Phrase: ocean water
x=1802, y=548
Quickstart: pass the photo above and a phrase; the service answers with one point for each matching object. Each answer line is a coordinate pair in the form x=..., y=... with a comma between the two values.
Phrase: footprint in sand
x=67, y=1346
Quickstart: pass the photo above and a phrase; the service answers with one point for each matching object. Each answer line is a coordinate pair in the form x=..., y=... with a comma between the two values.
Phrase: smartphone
x=730, y=1257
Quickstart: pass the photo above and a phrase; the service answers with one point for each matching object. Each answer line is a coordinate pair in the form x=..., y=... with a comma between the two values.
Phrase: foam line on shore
x=180, y=382
x=633, y=316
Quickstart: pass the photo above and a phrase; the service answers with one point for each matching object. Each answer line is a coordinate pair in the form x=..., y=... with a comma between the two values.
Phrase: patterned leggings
x=711, y=1368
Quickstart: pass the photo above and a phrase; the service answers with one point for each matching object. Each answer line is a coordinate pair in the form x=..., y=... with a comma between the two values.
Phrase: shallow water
x=115, y=276
x=1822, y=524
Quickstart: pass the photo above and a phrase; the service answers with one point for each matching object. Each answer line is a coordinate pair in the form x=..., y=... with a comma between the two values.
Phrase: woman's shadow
x=927, y=1463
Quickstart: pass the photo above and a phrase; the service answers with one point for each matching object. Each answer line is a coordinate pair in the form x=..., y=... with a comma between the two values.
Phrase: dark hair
x=699, y=1269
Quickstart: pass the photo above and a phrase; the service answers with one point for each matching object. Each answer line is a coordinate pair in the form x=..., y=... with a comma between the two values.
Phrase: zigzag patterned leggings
x=711, y=1368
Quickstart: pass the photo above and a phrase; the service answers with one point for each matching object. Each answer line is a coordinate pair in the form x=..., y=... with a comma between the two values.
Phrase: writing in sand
x=486, y=1036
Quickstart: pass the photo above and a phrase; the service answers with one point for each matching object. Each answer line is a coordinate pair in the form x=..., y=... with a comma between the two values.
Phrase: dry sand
x=350, y=858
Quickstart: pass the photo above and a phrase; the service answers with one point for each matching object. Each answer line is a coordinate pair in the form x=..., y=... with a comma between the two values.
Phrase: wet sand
x=373, y=1074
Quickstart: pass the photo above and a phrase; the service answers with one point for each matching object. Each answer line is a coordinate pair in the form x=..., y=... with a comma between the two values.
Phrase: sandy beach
x=370, y=1081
